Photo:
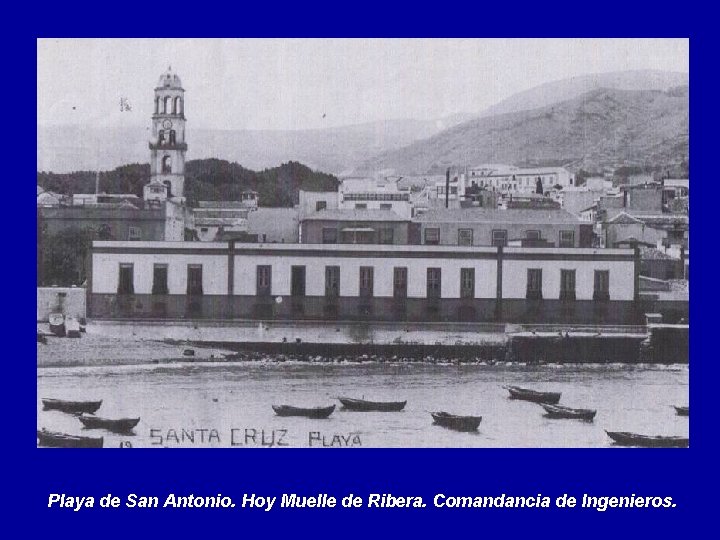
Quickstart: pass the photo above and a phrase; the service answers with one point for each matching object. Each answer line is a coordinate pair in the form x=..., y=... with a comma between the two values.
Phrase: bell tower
x=167, y=142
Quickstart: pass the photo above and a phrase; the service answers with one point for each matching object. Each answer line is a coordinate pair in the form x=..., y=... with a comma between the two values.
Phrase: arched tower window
x=174, y=106
x=172, y=136
x=161, y=136
x=178, y=105
x=167, y=165
x=157, y=105
x=166, y=108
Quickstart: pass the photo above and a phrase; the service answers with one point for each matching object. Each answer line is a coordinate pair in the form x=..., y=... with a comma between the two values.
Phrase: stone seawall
x=488, y=342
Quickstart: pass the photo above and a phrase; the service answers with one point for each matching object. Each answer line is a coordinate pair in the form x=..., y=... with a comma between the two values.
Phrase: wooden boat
x=625, y=438
x=57, y=324
x=459, y=423
x=72, y=327
x=120, y=425
x=532, y=395
x=365, y=405
x=558, y=411
x=63, y=440
x=73, y=407
x=682, y=411
x=313, y=412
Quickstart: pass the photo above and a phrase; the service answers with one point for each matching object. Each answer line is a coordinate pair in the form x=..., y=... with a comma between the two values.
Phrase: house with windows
x=363, y=193
x=357, y=226
x=491, y=227
x=230, y=280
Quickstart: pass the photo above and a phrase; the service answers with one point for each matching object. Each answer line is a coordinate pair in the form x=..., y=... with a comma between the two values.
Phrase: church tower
x=167, y=142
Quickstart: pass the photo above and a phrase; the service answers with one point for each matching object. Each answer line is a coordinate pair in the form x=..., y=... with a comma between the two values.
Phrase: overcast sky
x=296, y=84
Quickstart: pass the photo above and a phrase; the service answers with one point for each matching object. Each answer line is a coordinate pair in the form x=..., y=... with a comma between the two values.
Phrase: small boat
x=57, y=324
x=364, y=405
x=532, y=395
x=73, y=407
x=63, y=440
x=558, y=411
x=72, y=327
x=682, y=411
x=120, y=425
x=624, y=438
x=459, y=423
x=313, y=412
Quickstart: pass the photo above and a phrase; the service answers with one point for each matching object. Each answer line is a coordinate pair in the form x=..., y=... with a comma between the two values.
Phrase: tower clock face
x=167, y=124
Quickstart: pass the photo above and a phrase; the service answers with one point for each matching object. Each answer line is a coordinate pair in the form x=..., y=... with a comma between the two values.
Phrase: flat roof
x=492, y=215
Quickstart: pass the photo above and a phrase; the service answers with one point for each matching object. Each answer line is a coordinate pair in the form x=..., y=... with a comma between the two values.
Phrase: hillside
x=565, y=89
x=69, y=148
x=604, y=128
x=205, y=179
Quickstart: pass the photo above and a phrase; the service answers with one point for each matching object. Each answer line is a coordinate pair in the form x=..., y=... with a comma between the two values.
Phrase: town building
x=219, y=280
x=510, y=178
x=364, y=193
x=491, y=227
x=212, y=219
x=356, y=226
x=274, y=225
x=314, y=201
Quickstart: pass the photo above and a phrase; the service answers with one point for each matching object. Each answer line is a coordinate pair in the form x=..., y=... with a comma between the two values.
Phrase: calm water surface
x=179, y=404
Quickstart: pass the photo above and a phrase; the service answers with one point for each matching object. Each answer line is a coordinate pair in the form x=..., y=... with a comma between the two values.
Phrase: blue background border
x=33, y=473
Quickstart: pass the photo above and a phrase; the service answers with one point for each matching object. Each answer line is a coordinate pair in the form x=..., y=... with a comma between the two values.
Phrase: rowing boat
x=365, y=405
x=533, y=395
x=459, y=423
x=312, y=412
x=73, y=407
x=559, y=411
x=56, y=439
x=624, y=438
x=119, y=425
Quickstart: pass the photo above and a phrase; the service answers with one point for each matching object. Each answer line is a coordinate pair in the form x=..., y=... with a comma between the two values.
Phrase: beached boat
x=624, y=438
x=558, y=411
x=57, y=324
x=365, y=405
x=72, y=327
x=459, y=423
x=313, y=412
x=682, y=411
x=73, y=407
x=532, y=395
x=119, y=425
x=55, y=439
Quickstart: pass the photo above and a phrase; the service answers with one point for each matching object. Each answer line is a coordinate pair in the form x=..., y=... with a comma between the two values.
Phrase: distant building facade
x=357, y=226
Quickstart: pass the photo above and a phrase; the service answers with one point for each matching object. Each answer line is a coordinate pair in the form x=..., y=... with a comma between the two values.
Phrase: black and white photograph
x=363, y=243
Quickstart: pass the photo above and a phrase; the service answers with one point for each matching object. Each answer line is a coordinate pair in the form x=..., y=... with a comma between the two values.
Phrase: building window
x=465, y=237
x=166, y=165
x=320, y=205
x=433, y=283
x=385, y=206
x=361, y=206
x=125, y=281
x=386, y=235
x=366, y=281
x=432, y=236
x=194, y=280
x=567, y=284
x=160, y=279
x=161, y=137
x=134, y=233
x=297, y=281
x=264, y=280
x=400, y=282
x=467, y=283
x=172, y=136
x=499, y=237
x=602, y=285
x=532, y=235
x=329, y=235
x=332, y=281
x=567, y=239
x=534, y=284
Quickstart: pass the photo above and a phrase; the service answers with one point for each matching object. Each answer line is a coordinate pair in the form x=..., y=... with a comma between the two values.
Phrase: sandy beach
x=96, y=350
